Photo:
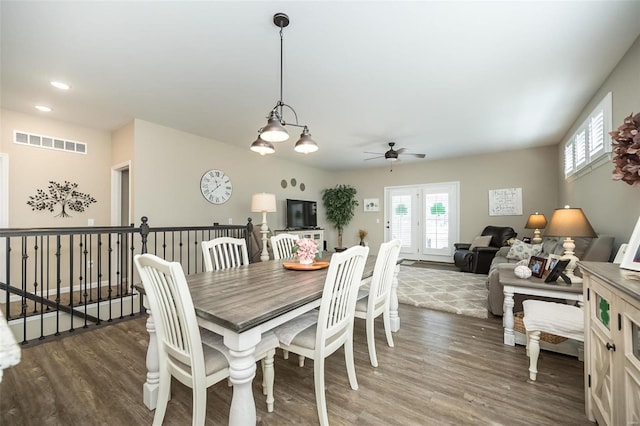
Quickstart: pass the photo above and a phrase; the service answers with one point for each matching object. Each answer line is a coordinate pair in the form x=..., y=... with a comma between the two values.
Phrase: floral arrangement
x=362, y=234
x=626, y=149
x=305, y=249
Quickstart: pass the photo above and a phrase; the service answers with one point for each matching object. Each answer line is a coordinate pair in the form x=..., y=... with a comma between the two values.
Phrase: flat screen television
x=301, y=214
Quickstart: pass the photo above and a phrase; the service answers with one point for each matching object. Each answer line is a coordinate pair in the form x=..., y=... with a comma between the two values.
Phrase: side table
x=532, y=286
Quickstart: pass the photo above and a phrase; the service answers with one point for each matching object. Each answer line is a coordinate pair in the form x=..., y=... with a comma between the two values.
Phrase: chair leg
x=268, y=376
x=387, y=327
x=348, y=357
x=285, y=354
x=199, y=405
x=300, y=360
x=371, y=343
x=534, y=352
x=164, y=391
x=321, y=402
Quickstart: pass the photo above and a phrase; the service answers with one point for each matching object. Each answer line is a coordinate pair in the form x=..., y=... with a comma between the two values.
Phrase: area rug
x=462, y=293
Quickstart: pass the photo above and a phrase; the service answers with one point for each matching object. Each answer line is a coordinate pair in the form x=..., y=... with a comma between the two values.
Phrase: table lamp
x=536, y=222
x=265, y=203
x=569, y=222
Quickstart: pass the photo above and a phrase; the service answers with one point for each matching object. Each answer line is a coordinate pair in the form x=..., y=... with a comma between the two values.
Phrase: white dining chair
x=196, y=357
x=282, y=245
x=224, y=252
x=318, y=334
x=375, y=302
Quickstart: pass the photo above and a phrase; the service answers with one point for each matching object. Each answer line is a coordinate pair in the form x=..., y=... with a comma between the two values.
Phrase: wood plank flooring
x=445, y=369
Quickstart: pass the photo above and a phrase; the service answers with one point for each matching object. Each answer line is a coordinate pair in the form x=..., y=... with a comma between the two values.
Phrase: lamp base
x=569, y=255
x=537, y=239
x=264, y=230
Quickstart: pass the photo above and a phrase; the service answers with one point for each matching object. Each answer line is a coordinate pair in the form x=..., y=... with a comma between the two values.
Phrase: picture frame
x=371, y=204
x=557, y=272
x=537, y=264
x=631, y=259
x=552, y=259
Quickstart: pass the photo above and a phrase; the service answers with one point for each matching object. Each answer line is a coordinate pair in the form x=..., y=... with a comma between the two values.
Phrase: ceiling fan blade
x=400, y=150
x=373, y=158
x=374, y=153
x=415, y=155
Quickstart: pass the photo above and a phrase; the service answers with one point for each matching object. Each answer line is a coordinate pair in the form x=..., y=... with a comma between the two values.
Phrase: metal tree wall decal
x=63, y=194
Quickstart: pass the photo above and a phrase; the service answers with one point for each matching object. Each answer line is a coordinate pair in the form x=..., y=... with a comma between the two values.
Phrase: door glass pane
x=401, y=219
x=436, y=221
x=602, y=310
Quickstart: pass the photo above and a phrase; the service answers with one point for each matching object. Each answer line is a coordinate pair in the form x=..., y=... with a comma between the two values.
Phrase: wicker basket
x=518, y=326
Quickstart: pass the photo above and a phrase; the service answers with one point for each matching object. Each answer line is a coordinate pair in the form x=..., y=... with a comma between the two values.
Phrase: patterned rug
x=441, y=290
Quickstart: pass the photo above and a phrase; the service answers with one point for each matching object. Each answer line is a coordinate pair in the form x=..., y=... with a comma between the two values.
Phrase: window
x=590, y=141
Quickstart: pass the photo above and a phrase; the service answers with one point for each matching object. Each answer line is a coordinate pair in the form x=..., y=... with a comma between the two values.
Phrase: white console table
x=315, y=234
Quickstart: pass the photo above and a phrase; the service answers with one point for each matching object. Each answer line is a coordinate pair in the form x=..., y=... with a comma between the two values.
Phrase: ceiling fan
x=392, y=154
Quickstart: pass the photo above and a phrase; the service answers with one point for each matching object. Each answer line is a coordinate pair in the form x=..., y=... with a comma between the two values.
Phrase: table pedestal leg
x=242, y=370
x=394, y=317
x=507, y=319
x=150, y=387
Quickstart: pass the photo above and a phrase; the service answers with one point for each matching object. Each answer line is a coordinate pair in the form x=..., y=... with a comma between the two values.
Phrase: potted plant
x=362, y=233
x=339, y=203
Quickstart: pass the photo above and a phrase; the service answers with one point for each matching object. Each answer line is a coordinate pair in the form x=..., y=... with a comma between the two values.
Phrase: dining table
x=242, y=303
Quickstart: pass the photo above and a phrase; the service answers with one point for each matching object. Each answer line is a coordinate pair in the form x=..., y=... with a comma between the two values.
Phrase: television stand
x=316, y=234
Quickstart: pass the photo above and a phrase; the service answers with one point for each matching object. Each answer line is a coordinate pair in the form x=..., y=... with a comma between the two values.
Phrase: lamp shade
x=536, y=221
x=569, y=222
x=263, y=202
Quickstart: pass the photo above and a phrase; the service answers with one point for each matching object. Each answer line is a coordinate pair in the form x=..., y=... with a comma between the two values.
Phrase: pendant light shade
x=305, y=144
x=262, y=147
x=275, y=131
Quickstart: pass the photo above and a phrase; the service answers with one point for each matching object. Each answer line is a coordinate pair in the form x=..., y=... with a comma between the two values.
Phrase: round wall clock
x=216, y=186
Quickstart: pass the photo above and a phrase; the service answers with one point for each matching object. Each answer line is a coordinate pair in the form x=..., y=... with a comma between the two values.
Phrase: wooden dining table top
x=241, y=298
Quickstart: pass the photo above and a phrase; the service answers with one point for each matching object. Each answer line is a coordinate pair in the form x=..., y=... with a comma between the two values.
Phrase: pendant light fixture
x=275, y=131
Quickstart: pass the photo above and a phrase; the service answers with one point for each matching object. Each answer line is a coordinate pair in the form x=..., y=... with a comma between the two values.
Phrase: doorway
x=121, y=194
x=425, y=218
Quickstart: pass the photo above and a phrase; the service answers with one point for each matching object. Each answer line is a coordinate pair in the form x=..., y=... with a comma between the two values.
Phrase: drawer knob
x=611, y=346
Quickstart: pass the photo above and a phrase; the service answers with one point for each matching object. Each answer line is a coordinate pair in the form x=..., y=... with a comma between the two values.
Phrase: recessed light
x=60, y=85
x=43, y=108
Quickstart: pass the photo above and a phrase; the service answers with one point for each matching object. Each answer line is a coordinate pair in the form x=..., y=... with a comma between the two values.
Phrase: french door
x=424, y=218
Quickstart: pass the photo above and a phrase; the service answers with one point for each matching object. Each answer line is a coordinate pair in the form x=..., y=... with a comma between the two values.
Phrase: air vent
x=49, y=142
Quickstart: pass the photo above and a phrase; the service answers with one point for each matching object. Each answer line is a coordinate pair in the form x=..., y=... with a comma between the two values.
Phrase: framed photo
x=536, y=264
x=631, y=258
x=556, y=272
x=371, y=204
x=552, y=259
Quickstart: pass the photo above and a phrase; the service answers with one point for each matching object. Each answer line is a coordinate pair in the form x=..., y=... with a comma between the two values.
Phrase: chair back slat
x=224, y=252
x=340, y=293
x=382, y=279
x=282, y=245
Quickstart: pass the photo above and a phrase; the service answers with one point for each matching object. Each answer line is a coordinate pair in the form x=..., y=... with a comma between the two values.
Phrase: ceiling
x=440, y=78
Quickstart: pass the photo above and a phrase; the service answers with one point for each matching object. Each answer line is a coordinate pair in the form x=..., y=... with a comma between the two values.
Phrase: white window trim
x=588, y=160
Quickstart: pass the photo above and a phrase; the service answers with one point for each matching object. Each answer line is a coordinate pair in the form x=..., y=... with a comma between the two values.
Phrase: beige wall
x=612, y=207
x=31, y=168
x=169, y=164
x=533, y=170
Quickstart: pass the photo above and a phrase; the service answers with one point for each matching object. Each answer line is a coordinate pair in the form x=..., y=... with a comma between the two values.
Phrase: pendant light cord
x=281, y=50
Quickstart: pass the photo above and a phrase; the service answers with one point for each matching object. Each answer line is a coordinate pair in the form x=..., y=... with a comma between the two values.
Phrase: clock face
x=216, y=187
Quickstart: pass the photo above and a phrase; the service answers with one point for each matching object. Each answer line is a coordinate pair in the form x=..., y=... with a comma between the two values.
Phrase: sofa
x=588, y=249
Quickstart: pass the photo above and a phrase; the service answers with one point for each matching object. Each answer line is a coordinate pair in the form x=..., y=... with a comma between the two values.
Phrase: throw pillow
x=522, y=251
x=483, y=241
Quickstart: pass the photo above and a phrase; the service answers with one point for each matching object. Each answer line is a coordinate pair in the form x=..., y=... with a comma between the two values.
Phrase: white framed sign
x=505, y=202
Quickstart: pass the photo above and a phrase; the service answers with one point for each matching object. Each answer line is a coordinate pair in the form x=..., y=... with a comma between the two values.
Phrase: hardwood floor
x=445, y=369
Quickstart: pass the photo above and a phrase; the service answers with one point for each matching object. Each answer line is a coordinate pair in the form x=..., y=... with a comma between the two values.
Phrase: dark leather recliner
x=478, y=260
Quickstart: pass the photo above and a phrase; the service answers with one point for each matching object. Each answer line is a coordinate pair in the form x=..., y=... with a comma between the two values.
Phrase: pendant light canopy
x=275, y=131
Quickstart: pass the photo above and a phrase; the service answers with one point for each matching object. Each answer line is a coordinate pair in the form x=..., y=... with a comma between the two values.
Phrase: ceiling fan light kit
x=275, y=131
